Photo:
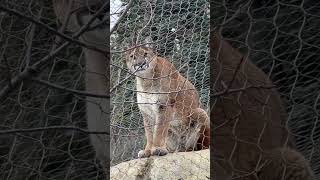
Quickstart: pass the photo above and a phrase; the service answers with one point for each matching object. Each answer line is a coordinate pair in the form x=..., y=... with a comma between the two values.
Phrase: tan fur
x=251, y=124
x=169, y=103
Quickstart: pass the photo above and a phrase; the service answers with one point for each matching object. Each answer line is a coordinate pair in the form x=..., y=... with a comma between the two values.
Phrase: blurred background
x=48, y=153
x=282, y=38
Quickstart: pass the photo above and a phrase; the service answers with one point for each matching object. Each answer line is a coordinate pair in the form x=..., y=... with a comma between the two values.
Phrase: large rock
x=176, y=166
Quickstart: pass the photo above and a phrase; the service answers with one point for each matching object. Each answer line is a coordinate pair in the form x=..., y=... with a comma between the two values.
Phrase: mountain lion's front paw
x=144, y=153
x=159, y=151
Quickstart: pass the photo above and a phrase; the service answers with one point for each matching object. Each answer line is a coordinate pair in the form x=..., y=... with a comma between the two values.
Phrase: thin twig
x=135, y=46
x=122, y=16
x=120, y=83
x=39, y=65
x=8, y=68
x=153, y=78
x=64, y=24
x=145, y=26
x=30, y=130
x=235, y=73
x=227, y=21
x=227, y=92
x=154, y=92
x=52, y=30
x=133, y=74
x=168, y=35
x=58, y=87
x=124, y=80
x=29, y=39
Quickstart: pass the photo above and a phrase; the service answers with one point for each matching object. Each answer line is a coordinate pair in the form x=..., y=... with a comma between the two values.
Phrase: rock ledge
x=176, y=166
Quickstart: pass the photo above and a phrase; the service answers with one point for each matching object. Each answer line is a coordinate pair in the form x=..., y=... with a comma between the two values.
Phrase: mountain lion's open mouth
x=141, y=66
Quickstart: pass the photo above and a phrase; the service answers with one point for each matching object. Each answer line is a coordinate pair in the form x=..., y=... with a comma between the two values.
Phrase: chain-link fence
x=178, y=31
x=42, y=108
x=281, y=38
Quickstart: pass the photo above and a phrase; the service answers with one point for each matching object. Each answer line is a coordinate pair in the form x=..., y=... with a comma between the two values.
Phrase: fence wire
x=281, y=38
x=29, y=149
x=179, y=33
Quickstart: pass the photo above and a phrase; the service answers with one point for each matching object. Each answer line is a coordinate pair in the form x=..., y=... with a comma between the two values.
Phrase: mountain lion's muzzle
x=141, y=66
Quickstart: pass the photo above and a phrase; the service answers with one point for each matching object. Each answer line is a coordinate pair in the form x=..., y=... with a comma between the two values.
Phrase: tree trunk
x=97, y=67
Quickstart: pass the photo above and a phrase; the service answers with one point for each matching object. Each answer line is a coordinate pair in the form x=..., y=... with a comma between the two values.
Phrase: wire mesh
x=41, y=126
x=179, y=33
x=281, y=38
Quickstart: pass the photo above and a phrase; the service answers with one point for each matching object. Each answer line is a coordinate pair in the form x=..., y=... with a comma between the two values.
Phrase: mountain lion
x=169, y=104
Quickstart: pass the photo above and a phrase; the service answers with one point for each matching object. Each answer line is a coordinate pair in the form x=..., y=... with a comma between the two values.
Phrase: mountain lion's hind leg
x=201, y=117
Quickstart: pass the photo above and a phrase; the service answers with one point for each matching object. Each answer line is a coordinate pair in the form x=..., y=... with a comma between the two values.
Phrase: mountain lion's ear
x=148, y=41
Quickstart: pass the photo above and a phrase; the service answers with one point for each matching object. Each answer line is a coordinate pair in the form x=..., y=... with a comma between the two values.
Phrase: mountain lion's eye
x=192, y=124
x=131, y=56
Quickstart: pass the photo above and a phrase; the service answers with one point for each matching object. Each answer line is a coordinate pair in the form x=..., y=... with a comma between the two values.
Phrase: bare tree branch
x=30, y=130
x=58, y=87
x=122, y=16
x=154, y=92
x=52, y=30
x=150, y=18
x=132, y=74
x=29, y=39
x=136, y=46
x=8, y=68
x=63, y=25
x=235, y=73
x=231, y=91
x=33, y=70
